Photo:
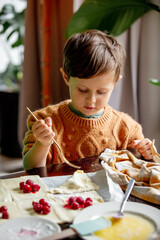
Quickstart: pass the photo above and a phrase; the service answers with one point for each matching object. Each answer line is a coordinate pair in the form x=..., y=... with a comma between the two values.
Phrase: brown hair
x=91, y=53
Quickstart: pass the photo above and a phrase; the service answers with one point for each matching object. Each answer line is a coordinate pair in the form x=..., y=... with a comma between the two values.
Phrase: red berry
x=27, y=188
x=80, y=200
x=48, y=205
x=87, y=203
x=29, y=182
x=45, y=209
x=3, y=209
x=35, y=188
x=5, y=215
x=42, y=201
x=38, y=207
x=75, y=205
x=21, y=185
x=89, y=199
x=34, y=203
x=71, y=200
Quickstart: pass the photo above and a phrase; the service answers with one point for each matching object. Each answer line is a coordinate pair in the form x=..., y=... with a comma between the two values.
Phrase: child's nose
x=91, y=98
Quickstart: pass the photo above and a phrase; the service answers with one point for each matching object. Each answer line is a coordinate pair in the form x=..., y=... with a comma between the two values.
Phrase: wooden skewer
x=65, y=160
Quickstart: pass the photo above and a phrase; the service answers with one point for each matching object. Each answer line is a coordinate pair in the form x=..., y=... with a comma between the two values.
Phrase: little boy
x=85, y=124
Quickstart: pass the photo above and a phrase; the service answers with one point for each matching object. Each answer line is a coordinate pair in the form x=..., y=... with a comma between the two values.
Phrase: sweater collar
x=93, y=123
x=78, y=113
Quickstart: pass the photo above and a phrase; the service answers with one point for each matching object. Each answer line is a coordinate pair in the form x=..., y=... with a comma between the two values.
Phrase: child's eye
x=101, y=93
x=82, y=90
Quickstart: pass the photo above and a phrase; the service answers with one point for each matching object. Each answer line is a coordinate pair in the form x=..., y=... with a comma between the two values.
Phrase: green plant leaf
x=7, y=9
x=113, y=16
x=154, y=81
x=5, y=26
x=12, y=22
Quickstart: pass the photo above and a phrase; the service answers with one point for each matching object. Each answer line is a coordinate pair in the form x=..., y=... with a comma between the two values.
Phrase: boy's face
x=89, y=96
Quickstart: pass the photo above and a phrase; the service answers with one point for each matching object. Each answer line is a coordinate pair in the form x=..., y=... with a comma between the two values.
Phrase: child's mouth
x=89, y=108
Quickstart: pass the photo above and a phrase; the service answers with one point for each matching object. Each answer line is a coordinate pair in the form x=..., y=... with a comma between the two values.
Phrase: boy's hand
x=42, y=131
x=143, y=147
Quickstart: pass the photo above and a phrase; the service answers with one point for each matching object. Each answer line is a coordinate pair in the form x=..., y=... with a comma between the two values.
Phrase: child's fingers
x=42, y=131
x=143, y=147
x=38, y=125
x=147, y=155
x=135, y=142
x=141, y=143
x=48, y=121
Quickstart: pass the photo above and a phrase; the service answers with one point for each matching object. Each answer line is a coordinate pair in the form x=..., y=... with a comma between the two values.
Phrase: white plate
x=27, y=228
x=109, y=208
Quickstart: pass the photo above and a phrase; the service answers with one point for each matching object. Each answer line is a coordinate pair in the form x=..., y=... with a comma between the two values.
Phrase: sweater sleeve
x=29, y=139
x=134, y=131
x=126, y=129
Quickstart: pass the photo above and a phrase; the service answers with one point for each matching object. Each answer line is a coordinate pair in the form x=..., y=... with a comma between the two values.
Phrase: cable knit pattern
x=80, y=137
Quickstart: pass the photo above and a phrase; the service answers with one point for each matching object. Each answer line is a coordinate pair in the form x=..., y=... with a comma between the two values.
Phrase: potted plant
x=11, y=23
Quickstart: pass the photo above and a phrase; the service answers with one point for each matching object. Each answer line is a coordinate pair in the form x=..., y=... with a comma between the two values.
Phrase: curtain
x=46, y=21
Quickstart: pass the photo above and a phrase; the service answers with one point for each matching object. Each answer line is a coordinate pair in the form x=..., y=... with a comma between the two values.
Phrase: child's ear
x=120, y=76
x=64, y=75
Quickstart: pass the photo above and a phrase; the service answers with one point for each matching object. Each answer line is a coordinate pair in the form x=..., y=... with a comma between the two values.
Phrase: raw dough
x=79, y=182
x=12, y=185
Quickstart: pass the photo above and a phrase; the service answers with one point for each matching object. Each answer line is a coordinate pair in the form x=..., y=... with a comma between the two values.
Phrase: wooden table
x=91, y=164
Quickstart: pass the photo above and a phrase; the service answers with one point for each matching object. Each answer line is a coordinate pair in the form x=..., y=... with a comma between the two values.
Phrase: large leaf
x=155, y=81
x=114, y=16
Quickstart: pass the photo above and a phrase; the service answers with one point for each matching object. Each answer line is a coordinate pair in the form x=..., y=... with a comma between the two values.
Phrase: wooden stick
x=65, y=160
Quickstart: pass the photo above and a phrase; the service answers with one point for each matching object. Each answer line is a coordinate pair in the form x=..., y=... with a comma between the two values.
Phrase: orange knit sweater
x=80, y=137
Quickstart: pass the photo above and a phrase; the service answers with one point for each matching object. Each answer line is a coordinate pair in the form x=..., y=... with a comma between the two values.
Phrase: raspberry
x=71, y=200
x=27, y=188
x=37, y=207
x=80, y=200
x=88, y=203
x=42, y=206
x=5, y=215
x=30, y=182
x=21, y=185
x=75, y=205
x=35, y=188
x=45, y=209
x=43, y=201
x=34, y=203
x=89, y=199
x=3, y=209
